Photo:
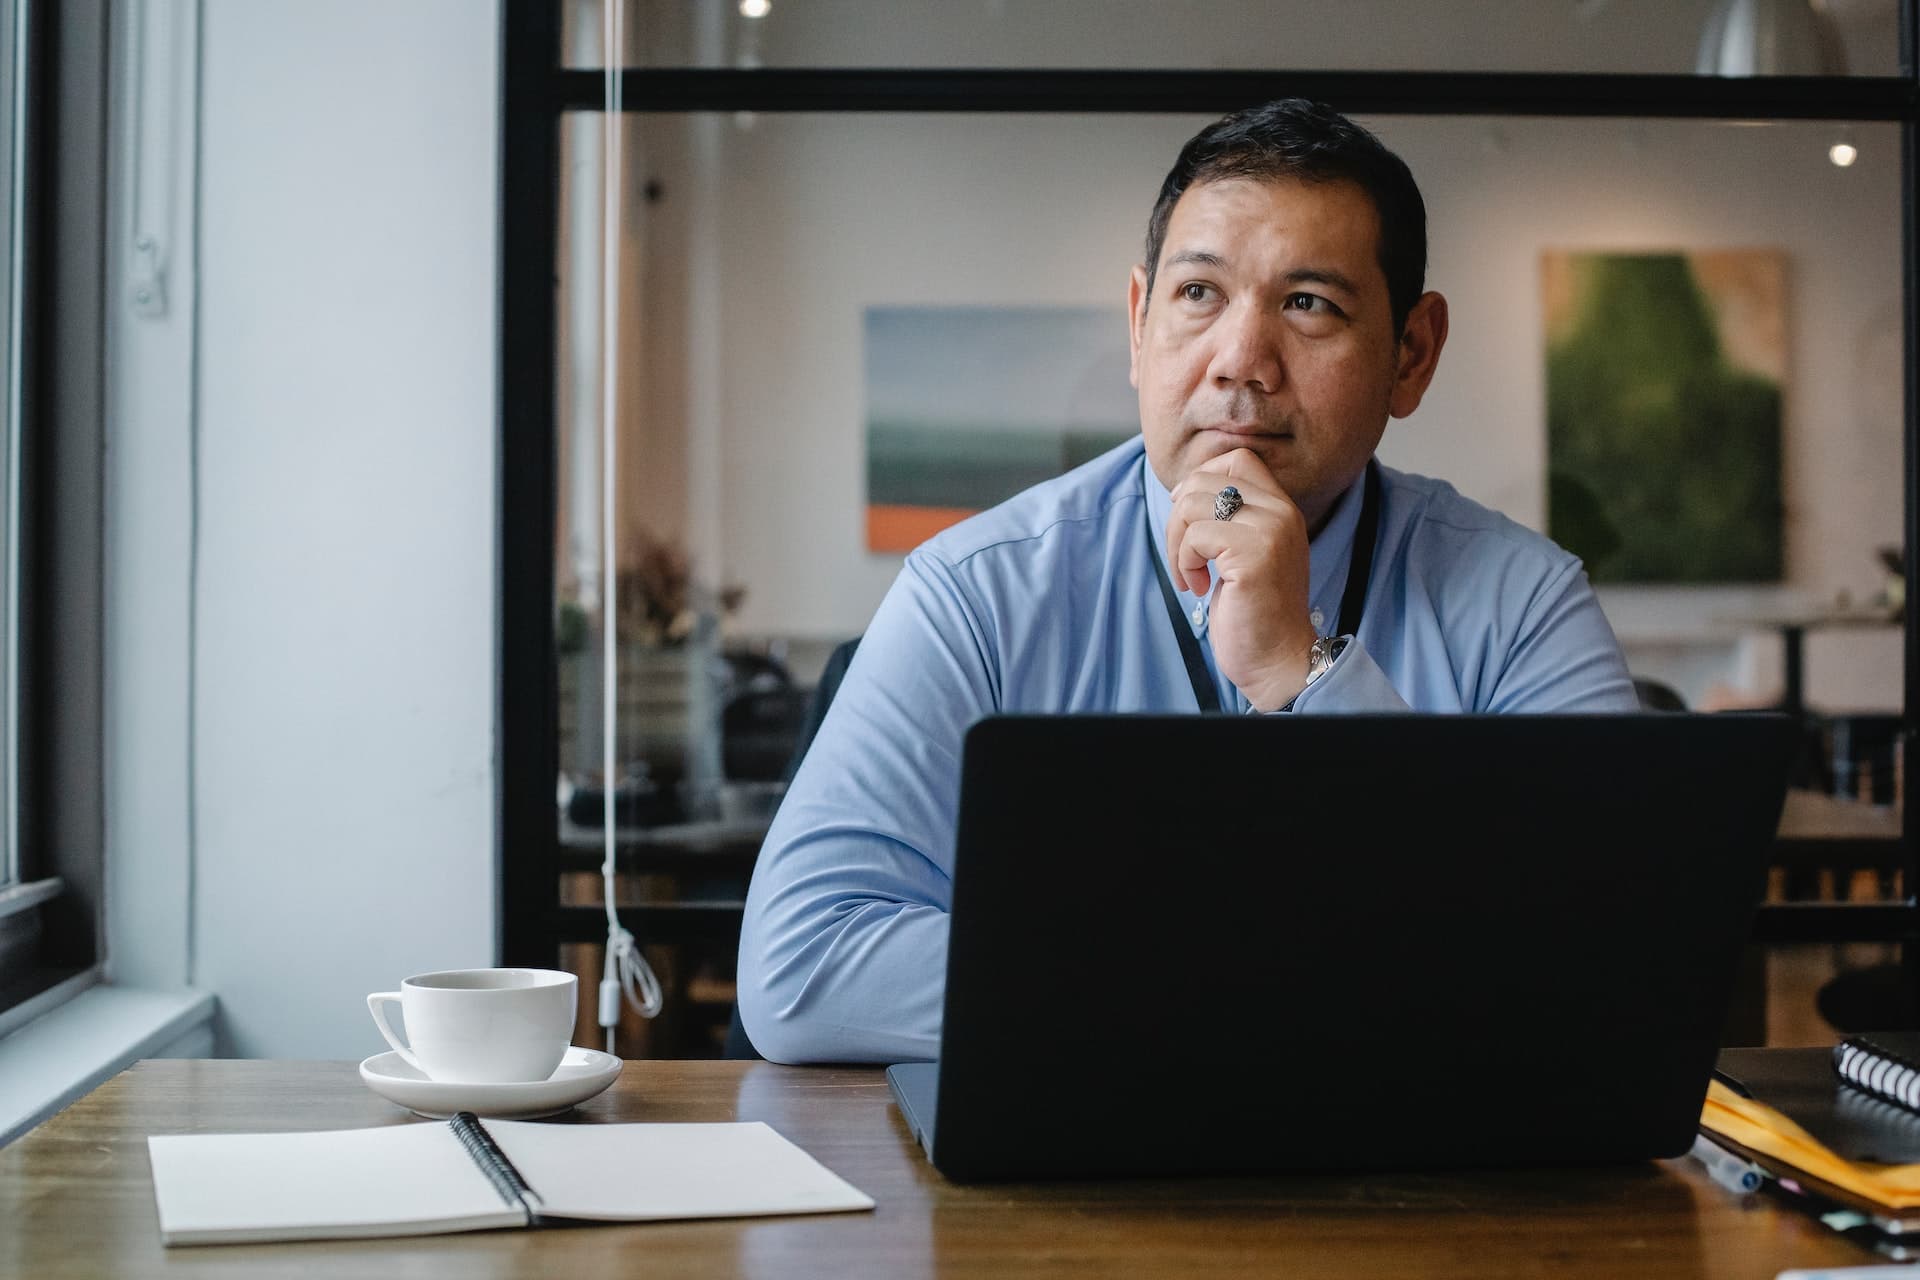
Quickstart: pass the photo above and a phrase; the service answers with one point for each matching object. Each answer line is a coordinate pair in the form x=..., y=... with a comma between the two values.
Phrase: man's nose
x=1247, y=349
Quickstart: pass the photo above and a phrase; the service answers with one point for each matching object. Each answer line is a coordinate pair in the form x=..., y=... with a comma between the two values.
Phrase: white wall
x=343, y=630
x=822, y=216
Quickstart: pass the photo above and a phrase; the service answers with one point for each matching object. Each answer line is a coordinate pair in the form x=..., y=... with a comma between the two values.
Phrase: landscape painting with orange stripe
x=967, y=406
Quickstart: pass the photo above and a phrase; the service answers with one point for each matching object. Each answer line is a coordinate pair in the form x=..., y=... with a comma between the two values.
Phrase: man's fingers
x=1195, y=536
x=1242, y=468
x=1260, y=495
x=1196, y=541
x=1198, y=507
x=1177, y=559
x=1202, y=543
x=1255, y=509
x=1189, y=573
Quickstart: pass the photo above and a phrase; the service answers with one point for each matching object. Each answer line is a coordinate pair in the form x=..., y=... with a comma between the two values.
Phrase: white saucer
x=581, y=1074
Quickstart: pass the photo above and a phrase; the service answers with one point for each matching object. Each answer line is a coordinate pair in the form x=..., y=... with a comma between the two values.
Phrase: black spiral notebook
x=1885, y=1064
x=472, y=1175
x=1803, y=1085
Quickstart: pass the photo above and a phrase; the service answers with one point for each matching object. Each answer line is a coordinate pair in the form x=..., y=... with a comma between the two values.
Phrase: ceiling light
x=1843, y=153
x=755, y=8
x=1769, y=38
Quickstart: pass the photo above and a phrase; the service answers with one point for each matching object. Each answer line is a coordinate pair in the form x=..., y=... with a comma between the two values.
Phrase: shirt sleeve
x=843, y=948
x=1564, y=658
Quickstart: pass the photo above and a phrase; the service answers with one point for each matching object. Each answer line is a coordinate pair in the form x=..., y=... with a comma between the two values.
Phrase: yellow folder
x=1785, y=1147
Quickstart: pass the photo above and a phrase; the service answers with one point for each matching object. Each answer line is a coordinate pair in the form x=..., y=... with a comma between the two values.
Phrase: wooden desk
x=76, y=1199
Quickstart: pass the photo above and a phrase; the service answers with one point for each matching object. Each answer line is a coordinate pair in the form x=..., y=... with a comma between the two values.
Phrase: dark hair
x=1311, y=142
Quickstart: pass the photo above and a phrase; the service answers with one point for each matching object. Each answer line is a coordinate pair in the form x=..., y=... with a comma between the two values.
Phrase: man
x=1244, y=554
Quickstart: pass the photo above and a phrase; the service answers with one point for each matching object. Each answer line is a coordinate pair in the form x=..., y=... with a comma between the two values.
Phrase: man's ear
x=1136, y=321
x=1419, y=353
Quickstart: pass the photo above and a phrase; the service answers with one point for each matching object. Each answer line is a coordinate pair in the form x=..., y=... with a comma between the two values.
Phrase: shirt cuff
x=1353, y=684
x=1333, y=664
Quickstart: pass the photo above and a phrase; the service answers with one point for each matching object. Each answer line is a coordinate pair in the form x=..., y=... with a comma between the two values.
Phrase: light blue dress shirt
x=1048, y=603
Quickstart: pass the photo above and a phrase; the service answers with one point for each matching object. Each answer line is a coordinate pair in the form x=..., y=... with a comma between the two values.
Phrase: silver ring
x=1226, y=502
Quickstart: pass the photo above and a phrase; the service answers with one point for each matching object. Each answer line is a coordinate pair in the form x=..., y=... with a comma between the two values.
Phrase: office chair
x=738, y=1045
x=1655, y=696
x=758, y=729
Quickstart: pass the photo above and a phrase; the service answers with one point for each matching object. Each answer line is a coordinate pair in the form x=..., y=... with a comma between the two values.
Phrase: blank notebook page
x=343, y=1183
x=642, y=1171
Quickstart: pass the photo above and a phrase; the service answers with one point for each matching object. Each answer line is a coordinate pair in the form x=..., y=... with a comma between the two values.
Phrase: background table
x=76, y=1199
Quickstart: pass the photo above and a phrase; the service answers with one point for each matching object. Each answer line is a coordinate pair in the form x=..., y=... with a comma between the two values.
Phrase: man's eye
x=1309, y=302
x=1196, y=292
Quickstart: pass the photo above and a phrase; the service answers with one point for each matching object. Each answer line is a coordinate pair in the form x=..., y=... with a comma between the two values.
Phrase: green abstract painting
x=1664, y=377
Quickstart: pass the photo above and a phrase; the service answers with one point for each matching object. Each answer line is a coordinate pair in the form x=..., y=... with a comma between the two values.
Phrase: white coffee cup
x=482, y=1026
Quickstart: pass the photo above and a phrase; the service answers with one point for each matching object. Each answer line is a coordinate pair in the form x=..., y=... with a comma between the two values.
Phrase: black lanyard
x=1359, y=573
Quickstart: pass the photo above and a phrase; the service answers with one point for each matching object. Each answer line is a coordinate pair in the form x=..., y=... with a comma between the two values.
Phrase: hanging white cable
x=626, y=970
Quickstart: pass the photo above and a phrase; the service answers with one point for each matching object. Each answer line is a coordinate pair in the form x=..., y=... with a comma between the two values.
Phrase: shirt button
x=1317, y=618
x=1199, y=615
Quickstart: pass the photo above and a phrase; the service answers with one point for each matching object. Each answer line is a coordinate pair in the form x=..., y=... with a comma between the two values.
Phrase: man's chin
x=1208, y=447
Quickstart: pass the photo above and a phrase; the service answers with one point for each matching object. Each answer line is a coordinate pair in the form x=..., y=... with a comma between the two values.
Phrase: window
x=20, y=897
x=52, y=127
x=13, y=82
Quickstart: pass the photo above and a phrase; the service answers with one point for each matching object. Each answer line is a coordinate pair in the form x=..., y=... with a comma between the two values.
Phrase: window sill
x=58, y=1057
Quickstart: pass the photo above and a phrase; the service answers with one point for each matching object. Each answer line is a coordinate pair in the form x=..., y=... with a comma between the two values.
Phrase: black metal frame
x=1215, y=92
x=35, y=516
x=24, y=968
x=60, y=827
x=538, y=91
x=528, y=678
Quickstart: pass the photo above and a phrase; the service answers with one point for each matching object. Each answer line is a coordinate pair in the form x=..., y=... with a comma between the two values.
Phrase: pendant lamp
x=1769, y=38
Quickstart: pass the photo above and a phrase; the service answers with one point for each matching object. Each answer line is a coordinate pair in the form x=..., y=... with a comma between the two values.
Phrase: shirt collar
x=1329, y=553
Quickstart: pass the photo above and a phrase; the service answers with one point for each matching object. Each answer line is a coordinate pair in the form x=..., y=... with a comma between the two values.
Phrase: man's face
x=1268, y=329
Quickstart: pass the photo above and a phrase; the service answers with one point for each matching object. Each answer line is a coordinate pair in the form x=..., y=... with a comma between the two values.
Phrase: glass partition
x=1660, y=36
x=839, y=331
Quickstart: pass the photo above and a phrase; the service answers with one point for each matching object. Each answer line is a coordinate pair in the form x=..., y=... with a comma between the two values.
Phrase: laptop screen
x=1254, y=943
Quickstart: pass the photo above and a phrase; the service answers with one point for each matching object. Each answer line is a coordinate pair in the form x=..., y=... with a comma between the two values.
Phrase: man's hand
x=1260, y=629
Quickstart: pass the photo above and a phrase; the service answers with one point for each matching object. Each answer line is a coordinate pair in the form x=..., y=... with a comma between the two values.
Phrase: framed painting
x=967, y=406
x=1664, y=376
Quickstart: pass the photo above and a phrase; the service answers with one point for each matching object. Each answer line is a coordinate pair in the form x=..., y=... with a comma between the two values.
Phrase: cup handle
x=377, y=1004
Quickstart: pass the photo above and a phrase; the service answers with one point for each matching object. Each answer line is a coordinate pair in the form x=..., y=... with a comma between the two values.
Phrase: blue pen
x=1729, y=1170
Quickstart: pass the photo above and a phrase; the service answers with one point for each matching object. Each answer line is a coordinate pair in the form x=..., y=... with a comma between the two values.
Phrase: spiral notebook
x=1788, y=1112
x=470, y=1175
x=1885, y=1064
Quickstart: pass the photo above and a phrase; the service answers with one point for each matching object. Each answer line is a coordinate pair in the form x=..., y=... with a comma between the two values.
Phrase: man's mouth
x=1247, y=430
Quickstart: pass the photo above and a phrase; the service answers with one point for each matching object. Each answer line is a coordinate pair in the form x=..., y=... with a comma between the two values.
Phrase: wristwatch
x=1319, y=661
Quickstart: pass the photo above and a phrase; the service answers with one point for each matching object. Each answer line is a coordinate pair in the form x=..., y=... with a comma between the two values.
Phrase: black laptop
x=1217, y=945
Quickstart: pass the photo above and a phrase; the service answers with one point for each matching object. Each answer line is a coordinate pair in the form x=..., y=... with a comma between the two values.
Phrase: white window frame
x=141, y=90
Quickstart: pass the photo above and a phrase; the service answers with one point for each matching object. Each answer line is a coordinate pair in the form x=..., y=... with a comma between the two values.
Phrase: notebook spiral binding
x=1890, y=1120
x=1879, y=1071
x=492, y=1161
